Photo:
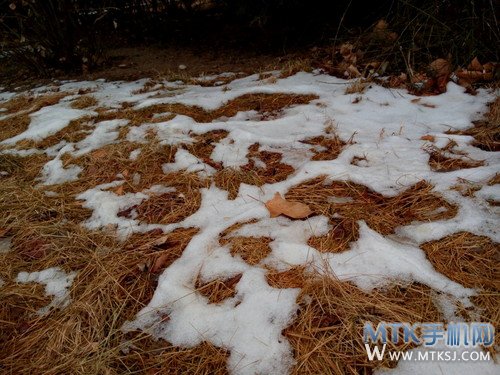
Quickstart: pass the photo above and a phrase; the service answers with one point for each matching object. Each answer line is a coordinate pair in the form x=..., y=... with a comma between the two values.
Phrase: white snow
x=47, y=121
x=57, y=284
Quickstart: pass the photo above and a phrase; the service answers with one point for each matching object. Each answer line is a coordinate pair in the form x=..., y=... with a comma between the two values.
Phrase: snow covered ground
x=382, y=127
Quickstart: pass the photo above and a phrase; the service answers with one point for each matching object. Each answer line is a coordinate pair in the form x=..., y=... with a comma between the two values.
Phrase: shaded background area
x=78, y=35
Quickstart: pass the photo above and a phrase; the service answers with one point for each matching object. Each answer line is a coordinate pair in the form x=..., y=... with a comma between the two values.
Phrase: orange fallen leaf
x=428, y=137
x=489, y=67
x=475, y=65
x=160, y=262
x=161, y=240
x=440, y=67
x=440, y=71
x=119, y=190
x=278, y=206
x=381, y=25
x=353, y=71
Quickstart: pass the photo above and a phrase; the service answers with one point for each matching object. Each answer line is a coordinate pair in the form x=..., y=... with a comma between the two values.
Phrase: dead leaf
x=440, y=67
x=160, y=262
x=161, y=240
x=475, y=65
x=278, y=206
x=381, y=25
x=346, y=49
x=3, y=232
x=440, y=70
x=353, y=71
x=119, y=190
x=428, y=137
x=488, y=67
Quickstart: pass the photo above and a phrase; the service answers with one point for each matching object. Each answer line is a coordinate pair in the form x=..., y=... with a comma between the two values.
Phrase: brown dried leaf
x=119, y=190
x=353, y=71
x=381, y=25
x=440, y=67
x=475, y=65
x=160, y=262
x=471, y=76
x=428, y=137
x=488, y=67
x=278, y=206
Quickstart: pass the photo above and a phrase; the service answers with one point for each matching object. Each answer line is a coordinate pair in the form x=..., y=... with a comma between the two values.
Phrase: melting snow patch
x=57, y=284
x=47, y=121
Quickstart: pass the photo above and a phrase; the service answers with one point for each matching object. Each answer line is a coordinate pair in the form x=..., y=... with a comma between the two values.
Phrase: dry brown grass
x=471, y=260
x=103, y=165
x=113, y=282
x=274, y=171
x=76, y=131
x=251, y=249
x=327, y=334
x=14, y=125
x=84, y=101
x=466, y=188
x=446, y=159
x=267, y=105
x=204, y=144
x=295, y=277
x=343, y=232
x=230, y=179
x=23, y=205
x=356, y=87
x=355, y=202
x=294, y=66
x=494, y=180
x=174, y=206
x=116, y=279
x=333, y=146
x=19, y=109
x=474, y=262
x=160, y=357
x=486, y=132
x=218, y=290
